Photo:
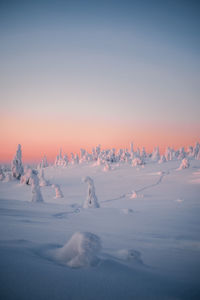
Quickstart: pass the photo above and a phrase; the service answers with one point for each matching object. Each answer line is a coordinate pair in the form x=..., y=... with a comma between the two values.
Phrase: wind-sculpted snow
x=80, y=251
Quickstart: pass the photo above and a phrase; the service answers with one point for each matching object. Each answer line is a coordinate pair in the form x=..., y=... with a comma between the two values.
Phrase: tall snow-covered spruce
x=91, y=200
x=16, y=165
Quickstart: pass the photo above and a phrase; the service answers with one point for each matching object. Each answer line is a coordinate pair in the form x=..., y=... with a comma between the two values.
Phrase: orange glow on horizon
x=39, y=136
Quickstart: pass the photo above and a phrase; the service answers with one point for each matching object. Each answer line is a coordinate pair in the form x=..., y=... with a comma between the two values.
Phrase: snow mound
x=135, y=195
x=80, y=251
x=59, y=193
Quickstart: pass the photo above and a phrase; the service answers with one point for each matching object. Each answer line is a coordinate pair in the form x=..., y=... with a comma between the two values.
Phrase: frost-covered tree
x=76, y=159
x=43, y=163
x=26, y=177
x=43, y=181
x=182, y=153
x=107, y=167
x=156, y=154
x=184, y=164
x=198, y=155
x=2, y=175
x=91, y=200
x=16, y=165
x=61, y=160
x=35, y=187
x=143, y=153
x=65, y=160
x=168, y=154
x=58, y=191
x=137, y=153
x=137, y=162
x=131, y=150
x=190, y=152
x=196, y=149
x=162, y=159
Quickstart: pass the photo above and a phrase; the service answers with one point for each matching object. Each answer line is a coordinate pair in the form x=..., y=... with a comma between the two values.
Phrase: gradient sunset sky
x=81, y=73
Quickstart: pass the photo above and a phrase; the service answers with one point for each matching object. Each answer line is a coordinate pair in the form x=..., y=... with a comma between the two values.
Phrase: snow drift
x=80, y=251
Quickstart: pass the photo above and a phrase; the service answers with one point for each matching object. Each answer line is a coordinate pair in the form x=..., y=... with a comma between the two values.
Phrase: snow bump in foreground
x=80, y=251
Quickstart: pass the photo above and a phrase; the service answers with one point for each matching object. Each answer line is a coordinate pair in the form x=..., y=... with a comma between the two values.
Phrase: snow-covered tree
x=190, y=152
x=43, y=181
x=26, y=177
x=107, y=167
x=137, y=162
x=196, y=150
x=131, y=150
x=91, y=200
x=16, y=165
x=35, y=187
x=43, y=163
x=162, y=159
x=168, y=154
x=2, y=175
x=156, y=154
x=65, y=160
x=198, y=155
x=143, y=153
x=58, y=191
x=182, y=153
x=184, y=164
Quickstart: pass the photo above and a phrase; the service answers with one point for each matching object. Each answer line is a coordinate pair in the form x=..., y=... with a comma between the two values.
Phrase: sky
x=75, y=74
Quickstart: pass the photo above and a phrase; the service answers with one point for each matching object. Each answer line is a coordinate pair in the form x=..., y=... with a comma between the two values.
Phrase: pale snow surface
x=146, y=247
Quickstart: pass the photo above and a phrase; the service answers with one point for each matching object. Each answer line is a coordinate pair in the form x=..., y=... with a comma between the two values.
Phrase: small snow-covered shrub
x=91, y=200
x=137, y=162
x=133, y=195
x=16, y=165
x=8, y=177
x=58, y=191
x=80, y=251
x=107, y=167
x=184, y=164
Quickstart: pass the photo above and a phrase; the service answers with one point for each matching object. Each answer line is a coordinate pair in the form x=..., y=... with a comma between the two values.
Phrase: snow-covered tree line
x=98, y=156
x=133, y=157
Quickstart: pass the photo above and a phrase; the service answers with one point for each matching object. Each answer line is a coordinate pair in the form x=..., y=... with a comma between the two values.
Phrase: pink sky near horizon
x=46, y=136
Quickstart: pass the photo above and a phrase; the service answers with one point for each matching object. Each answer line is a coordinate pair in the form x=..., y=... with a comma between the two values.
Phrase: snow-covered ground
x=142, y=243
